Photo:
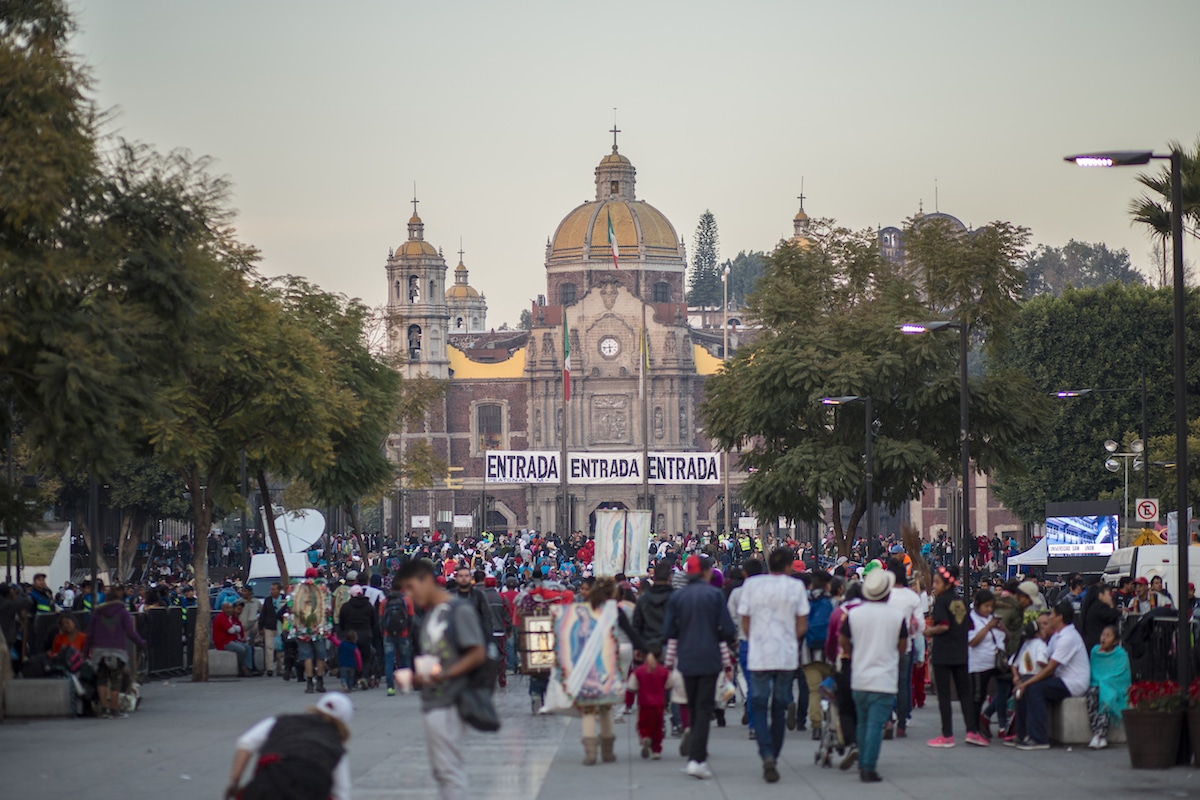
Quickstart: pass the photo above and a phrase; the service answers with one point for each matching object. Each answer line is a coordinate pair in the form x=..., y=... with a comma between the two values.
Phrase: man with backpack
x=814, y=665
x=500, y=624
x=399, y=617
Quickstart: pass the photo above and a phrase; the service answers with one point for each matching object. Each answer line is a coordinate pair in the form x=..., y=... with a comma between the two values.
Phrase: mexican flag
x=612, y=242
x=566, y=359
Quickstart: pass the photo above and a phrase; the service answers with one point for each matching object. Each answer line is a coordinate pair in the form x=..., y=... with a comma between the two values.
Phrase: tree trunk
x=911, y=538
x=202, y=517
x=269, y=519
x=352, y=510
x=126, y=547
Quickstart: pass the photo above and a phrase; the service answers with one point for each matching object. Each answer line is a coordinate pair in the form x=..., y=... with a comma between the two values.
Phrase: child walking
x=651, y=681
x=349, y=659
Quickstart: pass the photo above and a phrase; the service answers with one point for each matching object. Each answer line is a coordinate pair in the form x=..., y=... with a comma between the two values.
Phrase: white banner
x=462, y=521
x=420, y=521
x=604, y=468
x=675, y=468
x=523, y=466
x=622, y=542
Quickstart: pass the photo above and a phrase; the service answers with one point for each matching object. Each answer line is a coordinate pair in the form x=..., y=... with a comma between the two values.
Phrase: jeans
x=874, y=709
x=904, y=693
x=702, y=698
x=743, y=654
x=244, y=651
x=511, y=650
x=775, y=687
x=397, y=654
x=942, y=675
x=1031, y=708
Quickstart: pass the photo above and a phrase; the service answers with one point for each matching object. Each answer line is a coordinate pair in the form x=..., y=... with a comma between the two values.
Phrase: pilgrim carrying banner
x=597, y=469
x=622, y=542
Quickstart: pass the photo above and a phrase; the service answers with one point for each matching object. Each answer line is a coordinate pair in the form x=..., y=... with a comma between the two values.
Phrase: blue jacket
x=698, y=619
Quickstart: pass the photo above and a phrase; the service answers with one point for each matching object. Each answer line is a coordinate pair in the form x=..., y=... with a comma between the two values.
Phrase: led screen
x=1081, y=535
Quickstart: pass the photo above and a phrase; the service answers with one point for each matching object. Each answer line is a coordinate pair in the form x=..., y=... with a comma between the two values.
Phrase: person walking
x=950, y=633
x=751, y=567
x=109, y=629
x=773, y=609
x=300, y=756
x=268, y=623
x=697, y=626
x=873, y=636
x=908, y=603
x=450, y=632
x=399, y=618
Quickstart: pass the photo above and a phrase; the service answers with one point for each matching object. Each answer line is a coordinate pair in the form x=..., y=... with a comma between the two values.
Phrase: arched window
x=414, y=342
x=414, y=289
x=662, y=292
x=566, y=294
x=489, y=426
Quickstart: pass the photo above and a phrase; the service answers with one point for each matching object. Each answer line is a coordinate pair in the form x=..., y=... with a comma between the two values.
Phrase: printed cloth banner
x=523, y=466
x=622, y=542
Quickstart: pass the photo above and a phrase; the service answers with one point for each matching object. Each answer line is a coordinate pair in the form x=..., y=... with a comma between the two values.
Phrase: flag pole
x=565, y=519
x=643, y=357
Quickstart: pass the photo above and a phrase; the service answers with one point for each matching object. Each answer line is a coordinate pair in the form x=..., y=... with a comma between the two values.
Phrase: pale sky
x=323, y=115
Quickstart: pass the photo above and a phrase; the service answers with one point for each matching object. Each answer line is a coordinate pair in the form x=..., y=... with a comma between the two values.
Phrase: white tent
x=1033, y=557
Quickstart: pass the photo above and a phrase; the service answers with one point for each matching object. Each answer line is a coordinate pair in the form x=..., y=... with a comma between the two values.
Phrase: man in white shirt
x=873, y=636
x=1067, y=674
x=774, y=615
x=753, y=568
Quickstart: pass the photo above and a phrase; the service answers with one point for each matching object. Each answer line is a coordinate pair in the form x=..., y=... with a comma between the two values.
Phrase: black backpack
x=397, y=615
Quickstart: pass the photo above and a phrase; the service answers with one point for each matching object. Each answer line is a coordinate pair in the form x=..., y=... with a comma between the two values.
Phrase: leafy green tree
x=1092, y=339
x=744, y=271
x=1161, y=457
x=704, y=285
x=1081, y=265
x=829, y=312
x=525, y=322
x=1152, y=209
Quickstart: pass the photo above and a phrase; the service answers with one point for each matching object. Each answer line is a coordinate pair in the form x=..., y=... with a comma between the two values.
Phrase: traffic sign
x=1147, y=509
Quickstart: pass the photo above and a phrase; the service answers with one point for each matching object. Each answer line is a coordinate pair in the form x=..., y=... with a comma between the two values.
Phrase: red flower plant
x=1194, y=694
x=1156, y=696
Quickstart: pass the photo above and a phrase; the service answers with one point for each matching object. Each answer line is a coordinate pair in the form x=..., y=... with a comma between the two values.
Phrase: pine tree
x=704, y=287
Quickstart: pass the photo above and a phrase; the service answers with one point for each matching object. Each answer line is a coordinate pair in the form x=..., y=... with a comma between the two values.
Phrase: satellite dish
x=299, y=530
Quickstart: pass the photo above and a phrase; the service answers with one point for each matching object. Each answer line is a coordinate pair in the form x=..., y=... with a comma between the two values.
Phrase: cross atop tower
x=415, y=200
x=460, y=250
x=800, y=197
x=615, y=130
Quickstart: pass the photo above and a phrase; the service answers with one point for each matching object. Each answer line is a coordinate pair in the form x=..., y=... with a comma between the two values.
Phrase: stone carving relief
x=537, y=425
x=671, y=343
x=610, y=418
x=548, y=344
x=608, y=293
x=658, y=423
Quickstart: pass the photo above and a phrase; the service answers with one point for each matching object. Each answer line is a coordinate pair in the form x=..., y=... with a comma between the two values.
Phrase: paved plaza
x=180, y=743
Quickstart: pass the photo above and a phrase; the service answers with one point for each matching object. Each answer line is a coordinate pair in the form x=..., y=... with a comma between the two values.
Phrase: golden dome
x=586, y=228
x=460, y=291
x=801, y=216
x=416, y=247
x=614, y=158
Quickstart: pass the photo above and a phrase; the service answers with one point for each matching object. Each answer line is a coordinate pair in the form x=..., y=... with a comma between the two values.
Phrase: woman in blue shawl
x=1110, y=686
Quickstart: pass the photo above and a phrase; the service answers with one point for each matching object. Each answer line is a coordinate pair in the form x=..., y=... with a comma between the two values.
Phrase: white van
x=1150, y=560
x=264, y=570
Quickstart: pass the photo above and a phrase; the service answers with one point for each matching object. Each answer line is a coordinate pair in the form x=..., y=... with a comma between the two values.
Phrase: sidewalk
x=180, y=744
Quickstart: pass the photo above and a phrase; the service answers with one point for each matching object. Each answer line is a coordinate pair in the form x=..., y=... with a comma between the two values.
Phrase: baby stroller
x=831, y=727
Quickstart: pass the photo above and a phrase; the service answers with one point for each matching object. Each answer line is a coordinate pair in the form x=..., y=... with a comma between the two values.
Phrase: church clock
x=609, y=347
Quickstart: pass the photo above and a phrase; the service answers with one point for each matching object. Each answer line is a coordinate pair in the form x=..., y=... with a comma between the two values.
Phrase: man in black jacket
x=652, y=606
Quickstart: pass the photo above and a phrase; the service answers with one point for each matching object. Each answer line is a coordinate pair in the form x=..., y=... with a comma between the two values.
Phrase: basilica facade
x=505, y=388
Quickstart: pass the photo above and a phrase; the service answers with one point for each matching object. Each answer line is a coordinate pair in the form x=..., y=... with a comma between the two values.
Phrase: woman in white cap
x=300, y=756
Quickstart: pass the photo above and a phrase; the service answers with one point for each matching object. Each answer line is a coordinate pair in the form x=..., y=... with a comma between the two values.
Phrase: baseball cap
x=798, y=566
x=696, y=564
x=338, y=706
x=356, y=590
x=311, y=572
x=1029, y=589
x=896, y=548
x=1141, y=581
x=352, y=575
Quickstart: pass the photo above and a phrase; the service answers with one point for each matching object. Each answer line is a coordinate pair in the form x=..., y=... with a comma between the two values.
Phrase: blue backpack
x=819, y=612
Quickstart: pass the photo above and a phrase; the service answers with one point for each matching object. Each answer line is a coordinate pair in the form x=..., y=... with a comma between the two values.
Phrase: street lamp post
x=1125, y=158
x=868, y=455
x=725, y=357
x=1135, y=453
x=964, y=428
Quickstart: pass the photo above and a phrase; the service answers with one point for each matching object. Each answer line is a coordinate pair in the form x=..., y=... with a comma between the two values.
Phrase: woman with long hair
x=588, y=662
x=950, y=633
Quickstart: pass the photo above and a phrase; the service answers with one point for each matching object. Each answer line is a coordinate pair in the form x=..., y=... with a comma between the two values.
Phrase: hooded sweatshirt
x=109, y=627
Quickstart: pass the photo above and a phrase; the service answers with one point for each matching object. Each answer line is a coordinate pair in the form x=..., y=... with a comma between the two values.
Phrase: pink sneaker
x=941, y=741
x=977, y=739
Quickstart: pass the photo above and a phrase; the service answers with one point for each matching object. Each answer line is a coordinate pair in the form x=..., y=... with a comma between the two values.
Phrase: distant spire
x=935, y=196
x=460, y=250
x=801, y=197
x=921, y=206
x=615, y=130
x=415, y=200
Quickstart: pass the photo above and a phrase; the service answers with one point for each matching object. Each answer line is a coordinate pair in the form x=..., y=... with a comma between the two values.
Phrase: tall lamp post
x=869, y=481
x=1137, y=158
x=1134, y=453
x=725, y=357
x=964, y=428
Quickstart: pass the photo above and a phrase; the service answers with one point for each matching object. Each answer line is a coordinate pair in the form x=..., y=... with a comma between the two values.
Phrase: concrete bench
x=39, y=697
x=1068, y=723
x=224, y=663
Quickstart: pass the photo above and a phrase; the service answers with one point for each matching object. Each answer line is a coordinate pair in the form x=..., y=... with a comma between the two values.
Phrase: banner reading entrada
x=542, y=466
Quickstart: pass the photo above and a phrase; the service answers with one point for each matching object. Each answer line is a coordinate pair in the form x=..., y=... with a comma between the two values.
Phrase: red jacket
x=226, y=629
x=651, y=685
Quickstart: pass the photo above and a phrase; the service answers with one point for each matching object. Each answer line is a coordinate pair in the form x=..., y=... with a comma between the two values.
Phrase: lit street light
x=869, y=482
x=964, y=427
x=1124, y=158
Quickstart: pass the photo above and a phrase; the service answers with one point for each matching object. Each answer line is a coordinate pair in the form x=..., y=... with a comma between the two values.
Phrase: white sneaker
x=1103, y=743
x=698, y=769
x=1094, y=744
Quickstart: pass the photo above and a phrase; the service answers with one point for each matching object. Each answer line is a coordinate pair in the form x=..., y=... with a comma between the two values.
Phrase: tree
x=1081, y=265
x=744, y=271
x=1092, y=339
x=829, y=312
x=1152, y=209
x=704, y=287
x=525, y=321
